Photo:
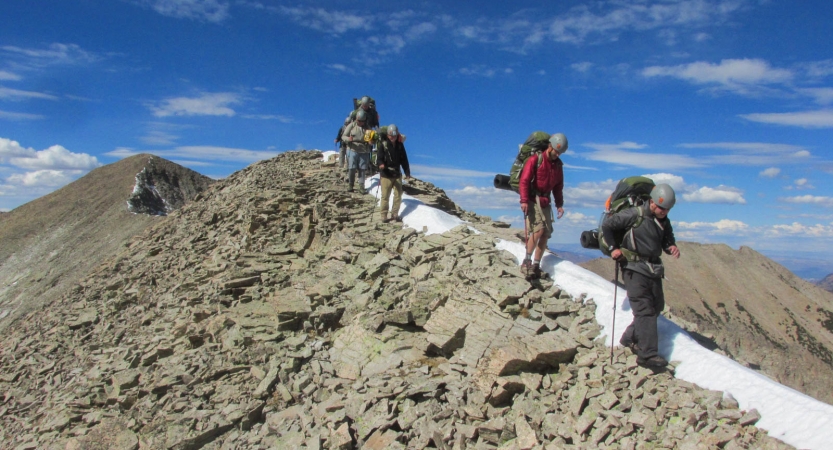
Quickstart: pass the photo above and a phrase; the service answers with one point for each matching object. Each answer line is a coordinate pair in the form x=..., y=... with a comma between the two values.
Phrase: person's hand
x=674, y=251
x=524, y=207
x=617, y=255
x=382, y=166
x=560, y=212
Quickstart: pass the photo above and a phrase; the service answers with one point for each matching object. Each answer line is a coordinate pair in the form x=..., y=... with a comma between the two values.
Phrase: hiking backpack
x=629, y=192
x=535, y=144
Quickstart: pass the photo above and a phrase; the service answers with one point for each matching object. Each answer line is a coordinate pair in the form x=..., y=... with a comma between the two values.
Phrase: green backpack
x=629, y=192
x=535, y=144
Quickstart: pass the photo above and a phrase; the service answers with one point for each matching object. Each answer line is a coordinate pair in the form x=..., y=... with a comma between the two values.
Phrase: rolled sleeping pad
x=502, y=182
x=590, y=239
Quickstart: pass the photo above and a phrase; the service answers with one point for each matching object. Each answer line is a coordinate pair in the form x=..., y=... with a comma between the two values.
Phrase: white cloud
x=8, y=76
x=201, y=152
x=582, y=67
x=822, y=118
x=331, y=22
x=19, y=116
x=472, y=197
x=741, y=76
x=809, y=200
x=720, y=194
x=56, y=53
x=623, y=154
x=723, y=226
x=478, y=70
x=43, y=178
x=207, y=104
x=16, y=94
x=822, y=96
x=55, y=157
x=752, y=153
x=432, y=172
x=770, y=172
x=801, y=230
x=202, y=10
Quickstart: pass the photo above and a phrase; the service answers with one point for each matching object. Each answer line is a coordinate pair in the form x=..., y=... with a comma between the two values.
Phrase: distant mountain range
x=826, y=283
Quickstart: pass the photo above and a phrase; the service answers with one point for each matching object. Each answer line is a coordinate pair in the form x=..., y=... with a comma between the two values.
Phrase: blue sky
x=730, y=101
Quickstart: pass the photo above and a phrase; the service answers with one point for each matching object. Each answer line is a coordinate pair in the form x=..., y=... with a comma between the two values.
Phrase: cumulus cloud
x=770, y=172
x=201, y=10
x=822, y=118
x=206, y=104
x=55, y=157
x=720, y=194
x=202, y=152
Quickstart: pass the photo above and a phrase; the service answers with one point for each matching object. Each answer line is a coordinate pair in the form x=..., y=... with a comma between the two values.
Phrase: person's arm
x=669, y=244
x=405, y=165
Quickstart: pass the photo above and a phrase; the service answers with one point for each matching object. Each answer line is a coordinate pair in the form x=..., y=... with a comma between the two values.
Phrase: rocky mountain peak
x=276, y=311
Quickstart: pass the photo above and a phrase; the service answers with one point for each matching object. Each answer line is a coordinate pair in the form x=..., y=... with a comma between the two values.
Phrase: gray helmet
x=365, y=100
x=559, y=142
x=392, y=130
x=663, y=196
x=361, y=116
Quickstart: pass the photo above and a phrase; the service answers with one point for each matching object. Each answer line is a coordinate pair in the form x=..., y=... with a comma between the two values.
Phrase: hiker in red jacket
x=542, y=175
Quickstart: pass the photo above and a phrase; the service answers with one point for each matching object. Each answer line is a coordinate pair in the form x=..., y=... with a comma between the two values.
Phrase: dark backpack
x=629, y=192
x=535, y=144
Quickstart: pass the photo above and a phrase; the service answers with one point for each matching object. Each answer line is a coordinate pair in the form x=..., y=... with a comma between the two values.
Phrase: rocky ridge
x=49, y=243
x=276, y=311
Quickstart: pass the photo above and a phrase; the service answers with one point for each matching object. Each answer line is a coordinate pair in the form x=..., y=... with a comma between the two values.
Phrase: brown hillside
x=50, y=242
x=755, y=309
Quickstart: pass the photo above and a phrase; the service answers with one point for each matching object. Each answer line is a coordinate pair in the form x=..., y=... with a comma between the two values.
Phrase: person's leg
x=397, y=197
x=364, y=166
x=352, y=165
x=641, y=291
x=383, y=204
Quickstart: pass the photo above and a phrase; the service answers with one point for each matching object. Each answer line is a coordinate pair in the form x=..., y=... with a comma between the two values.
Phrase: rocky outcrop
x=743, y=304
x=275, y=311
x=162, y=187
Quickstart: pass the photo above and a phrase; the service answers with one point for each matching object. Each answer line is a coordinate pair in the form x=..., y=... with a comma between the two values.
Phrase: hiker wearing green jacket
x=648, y=233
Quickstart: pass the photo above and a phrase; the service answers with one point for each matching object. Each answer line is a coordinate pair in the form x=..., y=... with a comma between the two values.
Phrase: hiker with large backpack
x=368, y=105
x=635, y=237
x=342, y=147
x=358, y=137
x=541, y=175
x=391, y=155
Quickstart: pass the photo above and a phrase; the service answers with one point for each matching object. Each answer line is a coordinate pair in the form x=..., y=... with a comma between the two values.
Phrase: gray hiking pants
x=647, y=302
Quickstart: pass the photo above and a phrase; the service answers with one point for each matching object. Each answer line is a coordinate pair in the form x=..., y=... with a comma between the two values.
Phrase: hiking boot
x=526, y=269
x=536, y=271
x=397, y=219
x=656, y=362
x=385, y=218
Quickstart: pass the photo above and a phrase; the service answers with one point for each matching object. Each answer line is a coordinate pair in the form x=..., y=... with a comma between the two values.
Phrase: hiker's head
x=393, y=132
x=558, y=142
x=557, y=146
x=361, y=117
x=663, y=199
x=365, y=103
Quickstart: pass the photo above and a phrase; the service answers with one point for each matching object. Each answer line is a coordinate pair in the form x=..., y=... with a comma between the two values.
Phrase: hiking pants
x=342, y=157
x=388, y=185
x=647, y=302
x=357, y=162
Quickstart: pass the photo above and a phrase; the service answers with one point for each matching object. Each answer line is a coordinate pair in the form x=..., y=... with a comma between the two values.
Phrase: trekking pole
x=613, y=327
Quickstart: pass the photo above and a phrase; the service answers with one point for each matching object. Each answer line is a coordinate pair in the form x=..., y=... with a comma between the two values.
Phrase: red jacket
x=549, y=178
